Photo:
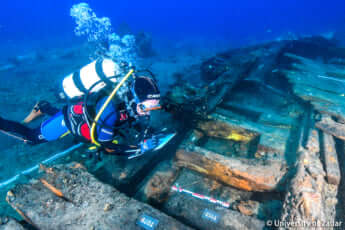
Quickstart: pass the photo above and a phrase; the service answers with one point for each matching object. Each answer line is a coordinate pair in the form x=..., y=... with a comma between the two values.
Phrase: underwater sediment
x=260, y=145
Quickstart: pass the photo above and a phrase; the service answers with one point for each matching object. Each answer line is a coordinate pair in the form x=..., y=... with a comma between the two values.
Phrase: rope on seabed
x=50, y=159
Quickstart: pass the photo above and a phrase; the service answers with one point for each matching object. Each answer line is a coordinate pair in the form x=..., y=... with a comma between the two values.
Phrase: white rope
x=46, y=161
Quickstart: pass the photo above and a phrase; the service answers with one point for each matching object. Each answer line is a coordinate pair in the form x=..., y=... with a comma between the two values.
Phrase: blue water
x=237, y=22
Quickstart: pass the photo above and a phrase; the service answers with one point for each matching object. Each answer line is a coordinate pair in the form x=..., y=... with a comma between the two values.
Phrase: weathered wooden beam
x=272, y=137
x=318, y=95
x=244, y=139
x=224, y=130
x=246, y=176
x=331, y=110
x=304, y=201
x=225, y=87
x=331, y=127
x=205, y=216
x=95, y=205
x=331, y=160
x=228, y=117
x=312, y=80
x=157, y=188
x=316, y=67
x=313, y=144
x=320, y=84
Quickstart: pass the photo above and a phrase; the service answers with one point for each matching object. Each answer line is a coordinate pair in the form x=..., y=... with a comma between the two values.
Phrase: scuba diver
x=108, y=124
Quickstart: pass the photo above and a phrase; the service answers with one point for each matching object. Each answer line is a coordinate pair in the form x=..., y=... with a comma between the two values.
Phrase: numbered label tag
x=147, y=222
x=210, y=215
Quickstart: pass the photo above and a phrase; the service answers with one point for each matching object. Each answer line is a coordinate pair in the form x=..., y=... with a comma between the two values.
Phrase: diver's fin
x=164, y=140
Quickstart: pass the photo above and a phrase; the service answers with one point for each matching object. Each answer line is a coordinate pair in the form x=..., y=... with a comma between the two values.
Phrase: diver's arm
x=127, y=150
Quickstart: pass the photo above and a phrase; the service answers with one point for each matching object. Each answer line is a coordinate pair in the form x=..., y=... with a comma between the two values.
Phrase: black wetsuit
x=31, y=136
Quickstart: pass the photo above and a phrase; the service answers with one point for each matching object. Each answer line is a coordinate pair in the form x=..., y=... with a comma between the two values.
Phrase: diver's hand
x=149, y=144
x=95, y=153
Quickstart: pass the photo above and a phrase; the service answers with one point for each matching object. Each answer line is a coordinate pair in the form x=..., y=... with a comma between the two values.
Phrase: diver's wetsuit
x=29, y=135
x=71, y=119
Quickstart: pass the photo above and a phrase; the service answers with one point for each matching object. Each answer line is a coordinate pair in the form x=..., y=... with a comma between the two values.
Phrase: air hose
x=104, y=106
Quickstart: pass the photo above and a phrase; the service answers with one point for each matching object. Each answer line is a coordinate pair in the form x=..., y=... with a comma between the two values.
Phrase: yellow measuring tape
x=94, y=124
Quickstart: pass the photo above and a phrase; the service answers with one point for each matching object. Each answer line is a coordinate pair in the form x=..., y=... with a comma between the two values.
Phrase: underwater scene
x=165, y=115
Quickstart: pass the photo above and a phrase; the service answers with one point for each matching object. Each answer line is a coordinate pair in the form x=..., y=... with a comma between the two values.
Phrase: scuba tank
x=79, y=83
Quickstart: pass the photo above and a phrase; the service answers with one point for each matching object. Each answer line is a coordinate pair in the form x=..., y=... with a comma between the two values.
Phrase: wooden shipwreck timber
x=260, y=146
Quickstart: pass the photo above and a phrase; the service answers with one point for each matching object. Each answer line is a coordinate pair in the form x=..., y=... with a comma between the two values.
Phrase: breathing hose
x=111, y=96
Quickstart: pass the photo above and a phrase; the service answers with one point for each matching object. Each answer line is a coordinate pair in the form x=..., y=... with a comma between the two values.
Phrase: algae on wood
x=331, y=160
x=93, y=204
x=231, y=171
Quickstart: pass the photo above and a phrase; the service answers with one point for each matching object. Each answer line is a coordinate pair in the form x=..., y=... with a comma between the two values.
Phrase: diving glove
x=145, y=146
x=41, y=107
x=149, y=144
x=95, y=153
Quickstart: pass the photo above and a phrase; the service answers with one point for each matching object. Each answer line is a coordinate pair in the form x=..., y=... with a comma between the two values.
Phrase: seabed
x=259, y=145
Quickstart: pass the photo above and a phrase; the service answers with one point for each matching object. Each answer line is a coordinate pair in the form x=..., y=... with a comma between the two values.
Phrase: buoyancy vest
x=77, y=121
x=79, y=125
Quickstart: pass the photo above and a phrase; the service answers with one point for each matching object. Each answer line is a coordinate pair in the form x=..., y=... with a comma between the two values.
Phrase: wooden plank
x=225, y=87
x=157, y=187
x=193, y=212
x=331, y=127
x=271, y=137
x=224, y=130
x=314, y=80
x=313, y=144
x=223, y=115
x=94, y=205
x=331, y=160
x=335, y=111
x=304, y=201
x=246, y=176
x=312, y=66
x=312, y=94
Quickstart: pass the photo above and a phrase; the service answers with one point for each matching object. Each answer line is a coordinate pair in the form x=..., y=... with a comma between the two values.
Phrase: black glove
x=95, y=153
x=46, y=108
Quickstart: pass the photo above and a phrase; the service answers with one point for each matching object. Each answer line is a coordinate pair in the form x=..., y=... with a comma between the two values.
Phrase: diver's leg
x=31, y=136
x=54, y=128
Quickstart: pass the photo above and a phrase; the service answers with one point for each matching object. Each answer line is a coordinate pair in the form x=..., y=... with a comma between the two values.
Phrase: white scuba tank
x=77, y=83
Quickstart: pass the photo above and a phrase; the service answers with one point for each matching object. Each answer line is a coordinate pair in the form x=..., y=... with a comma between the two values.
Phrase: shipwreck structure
x=260, y=145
